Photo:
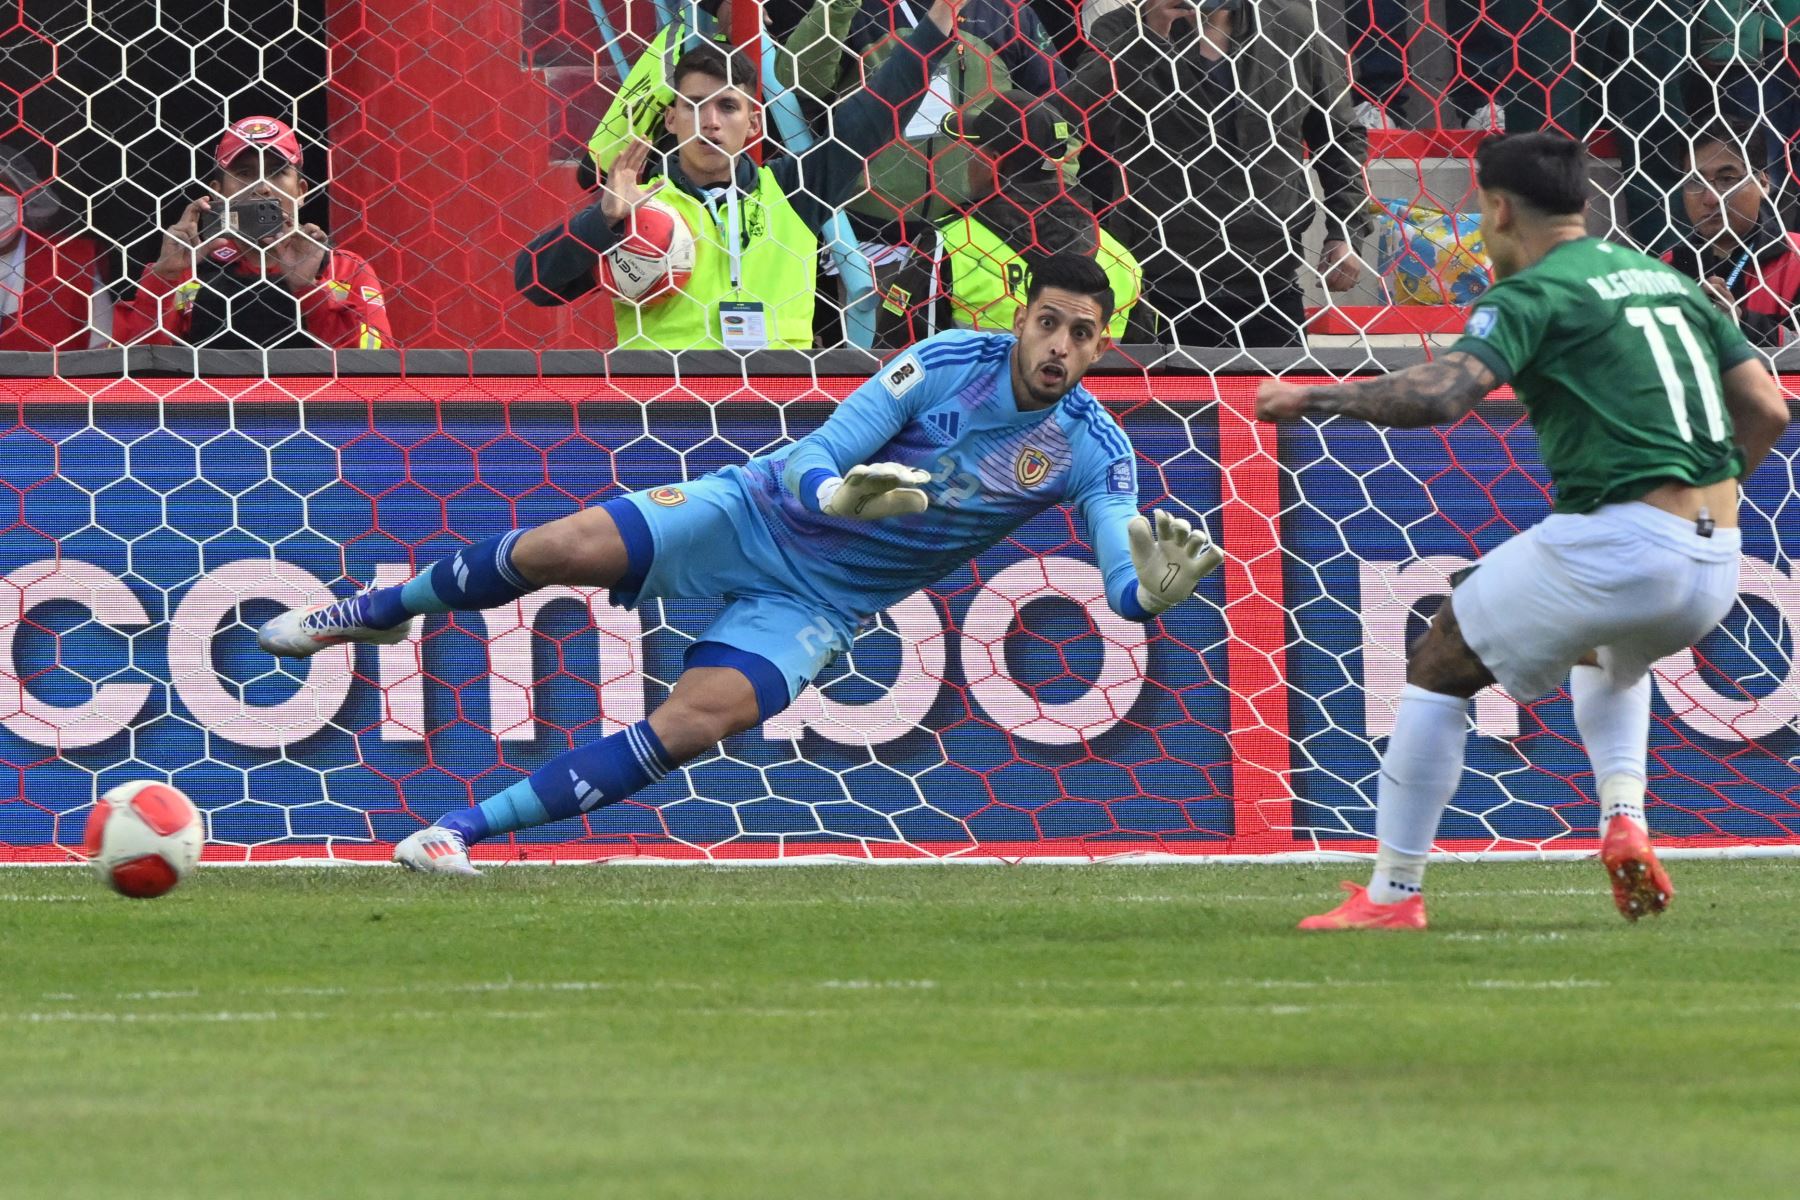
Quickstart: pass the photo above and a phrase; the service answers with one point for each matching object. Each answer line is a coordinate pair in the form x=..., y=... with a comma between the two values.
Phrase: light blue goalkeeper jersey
x=946, y=406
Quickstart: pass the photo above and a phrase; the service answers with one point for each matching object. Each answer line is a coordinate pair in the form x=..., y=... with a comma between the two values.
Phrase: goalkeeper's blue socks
x=475, y=577
x=586, y=778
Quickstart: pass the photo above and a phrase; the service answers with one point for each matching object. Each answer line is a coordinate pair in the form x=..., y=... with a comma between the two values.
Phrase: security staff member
x=756, y=228
x=974, y=273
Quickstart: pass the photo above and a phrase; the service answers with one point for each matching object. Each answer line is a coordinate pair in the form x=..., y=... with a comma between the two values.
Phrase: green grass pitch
x=953, y=1032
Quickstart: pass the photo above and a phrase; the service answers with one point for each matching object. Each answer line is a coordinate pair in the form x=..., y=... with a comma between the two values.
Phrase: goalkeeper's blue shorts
x=705, y=539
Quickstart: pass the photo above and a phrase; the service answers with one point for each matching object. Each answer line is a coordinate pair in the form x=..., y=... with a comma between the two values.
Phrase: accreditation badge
x=743, y=325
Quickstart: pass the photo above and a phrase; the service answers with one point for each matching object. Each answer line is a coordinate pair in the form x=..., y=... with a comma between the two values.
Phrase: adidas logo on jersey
x=946, y=425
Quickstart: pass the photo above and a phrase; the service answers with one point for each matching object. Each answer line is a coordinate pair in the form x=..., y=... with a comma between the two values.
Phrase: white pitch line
x=1534, y=985
x=802, y=1013
x=109, y=1017
x=741, y=902
x=1009, y=902
x=228, y=1016
x=863, y=985
x=973, y=996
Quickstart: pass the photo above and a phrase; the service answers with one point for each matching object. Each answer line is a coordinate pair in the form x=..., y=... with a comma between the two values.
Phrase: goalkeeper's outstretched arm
x=829, y=470
x=1150, y=564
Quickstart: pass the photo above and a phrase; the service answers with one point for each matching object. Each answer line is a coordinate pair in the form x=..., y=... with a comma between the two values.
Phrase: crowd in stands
x=1212, y=155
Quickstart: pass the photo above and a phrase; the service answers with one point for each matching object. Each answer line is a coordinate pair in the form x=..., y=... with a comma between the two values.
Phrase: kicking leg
x=1419, y=774
x=707, y=705
x=583, y=549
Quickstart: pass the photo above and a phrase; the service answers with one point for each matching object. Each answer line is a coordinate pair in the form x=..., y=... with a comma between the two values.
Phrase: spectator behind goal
x=52, y=286
x=1211, y=128
x=1735, y=245
x=776, y=212
x=917, y=176
x=636, y=109
x=972, y=274
x=284, y=289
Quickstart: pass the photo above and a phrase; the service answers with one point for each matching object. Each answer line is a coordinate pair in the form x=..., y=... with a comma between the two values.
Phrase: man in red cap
x=240, y=288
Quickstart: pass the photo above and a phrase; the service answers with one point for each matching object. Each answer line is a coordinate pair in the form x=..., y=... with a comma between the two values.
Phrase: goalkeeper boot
x=301, y=633
x=435, y=850
x=1360, y=912
x=1639, y=883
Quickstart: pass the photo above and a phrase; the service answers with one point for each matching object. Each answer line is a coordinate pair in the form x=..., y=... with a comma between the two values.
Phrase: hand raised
x=181, y=243
x=300, y=256
x=621, y=194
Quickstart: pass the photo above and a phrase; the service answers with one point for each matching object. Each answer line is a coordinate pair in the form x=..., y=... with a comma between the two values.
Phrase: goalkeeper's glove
x=1171, y=559
x=873, y=491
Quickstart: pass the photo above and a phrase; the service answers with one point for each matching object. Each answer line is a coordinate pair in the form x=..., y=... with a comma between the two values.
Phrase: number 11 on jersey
x=1647, y=320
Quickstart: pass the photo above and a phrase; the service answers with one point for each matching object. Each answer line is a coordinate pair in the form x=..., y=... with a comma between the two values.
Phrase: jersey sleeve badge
x=1481, y=321
x=903, y=376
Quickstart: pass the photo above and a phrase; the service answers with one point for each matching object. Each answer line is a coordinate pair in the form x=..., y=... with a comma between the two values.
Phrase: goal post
x=165, y=494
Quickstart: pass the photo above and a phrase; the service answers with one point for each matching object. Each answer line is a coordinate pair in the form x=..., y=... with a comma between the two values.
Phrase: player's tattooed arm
x=1433, y=393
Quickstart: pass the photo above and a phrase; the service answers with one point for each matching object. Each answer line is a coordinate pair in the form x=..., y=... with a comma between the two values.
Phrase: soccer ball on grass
x=143, y=838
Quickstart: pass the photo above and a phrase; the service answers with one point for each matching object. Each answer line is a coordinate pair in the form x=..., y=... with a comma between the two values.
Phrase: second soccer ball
x=655, y=257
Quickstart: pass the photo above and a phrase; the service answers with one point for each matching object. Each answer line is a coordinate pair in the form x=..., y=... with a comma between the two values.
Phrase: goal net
x=162, y=501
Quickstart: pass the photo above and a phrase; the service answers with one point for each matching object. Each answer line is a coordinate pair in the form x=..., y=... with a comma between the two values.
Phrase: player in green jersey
x=1649, y=407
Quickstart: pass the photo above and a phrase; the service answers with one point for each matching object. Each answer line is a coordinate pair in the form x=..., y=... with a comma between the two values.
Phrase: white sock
x=1614, y=724
x=1622, y=795
x=1397, y=875
x=1419, y=774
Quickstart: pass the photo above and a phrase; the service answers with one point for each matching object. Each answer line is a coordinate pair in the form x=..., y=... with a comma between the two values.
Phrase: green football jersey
x=1616, y=357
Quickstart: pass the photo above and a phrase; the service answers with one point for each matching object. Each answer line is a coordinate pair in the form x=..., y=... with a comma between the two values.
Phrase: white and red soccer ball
x=655, y=257
x=144, y=838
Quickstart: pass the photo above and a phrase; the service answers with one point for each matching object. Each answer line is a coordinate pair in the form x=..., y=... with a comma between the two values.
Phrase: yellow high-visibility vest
x=778, y=262
x=988, y=277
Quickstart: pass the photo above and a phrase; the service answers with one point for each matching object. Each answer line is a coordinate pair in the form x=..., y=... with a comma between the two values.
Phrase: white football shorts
x=1631, y=581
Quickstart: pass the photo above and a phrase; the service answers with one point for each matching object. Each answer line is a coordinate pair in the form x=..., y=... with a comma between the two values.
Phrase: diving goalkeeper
x=949, y=449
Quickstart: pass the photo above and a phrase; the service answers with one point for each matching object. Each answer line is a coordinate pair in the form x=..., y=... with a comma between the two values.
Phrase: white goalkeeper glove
x=873, y=491
x=1171, y=559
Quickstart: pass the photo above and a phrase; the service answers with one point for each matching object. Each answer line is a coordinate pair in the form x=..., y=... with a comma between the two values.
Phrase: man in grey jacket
x=1209, y=111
